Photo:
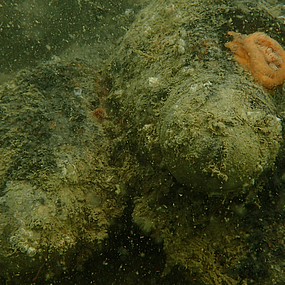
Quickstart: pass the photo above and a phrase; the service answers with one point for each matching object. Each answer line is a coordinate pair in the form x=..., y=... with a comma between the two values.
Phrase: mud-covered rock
x=57, y=187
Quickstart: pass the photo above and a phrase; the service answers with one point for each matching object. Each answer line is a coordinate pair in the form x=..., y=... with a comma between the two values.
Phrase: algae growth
x=153, y=159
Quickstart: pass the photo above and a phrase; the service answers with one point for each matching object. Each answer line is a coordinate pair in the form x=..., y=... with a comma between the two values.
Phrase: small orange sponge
x=261, y=55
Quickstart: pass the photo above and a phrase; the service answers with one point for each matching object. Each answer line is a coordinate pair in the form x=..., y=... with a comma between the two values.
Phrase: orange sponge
x=261, y=55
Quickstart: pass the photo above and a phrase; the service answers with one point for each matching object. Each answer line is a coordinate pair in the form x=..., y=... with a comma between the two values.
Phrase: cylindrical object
x=215, y=139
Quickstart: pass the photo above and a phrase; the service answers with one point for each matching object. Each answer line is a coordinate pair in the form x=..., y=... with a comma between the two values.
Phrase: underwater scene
x=142, y=142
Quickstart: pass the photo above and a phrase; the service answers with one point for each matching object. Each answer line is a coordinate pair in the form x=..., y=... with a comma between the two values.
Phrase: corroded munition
x=183, y=100
x=187, y=108
x=214, y=139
